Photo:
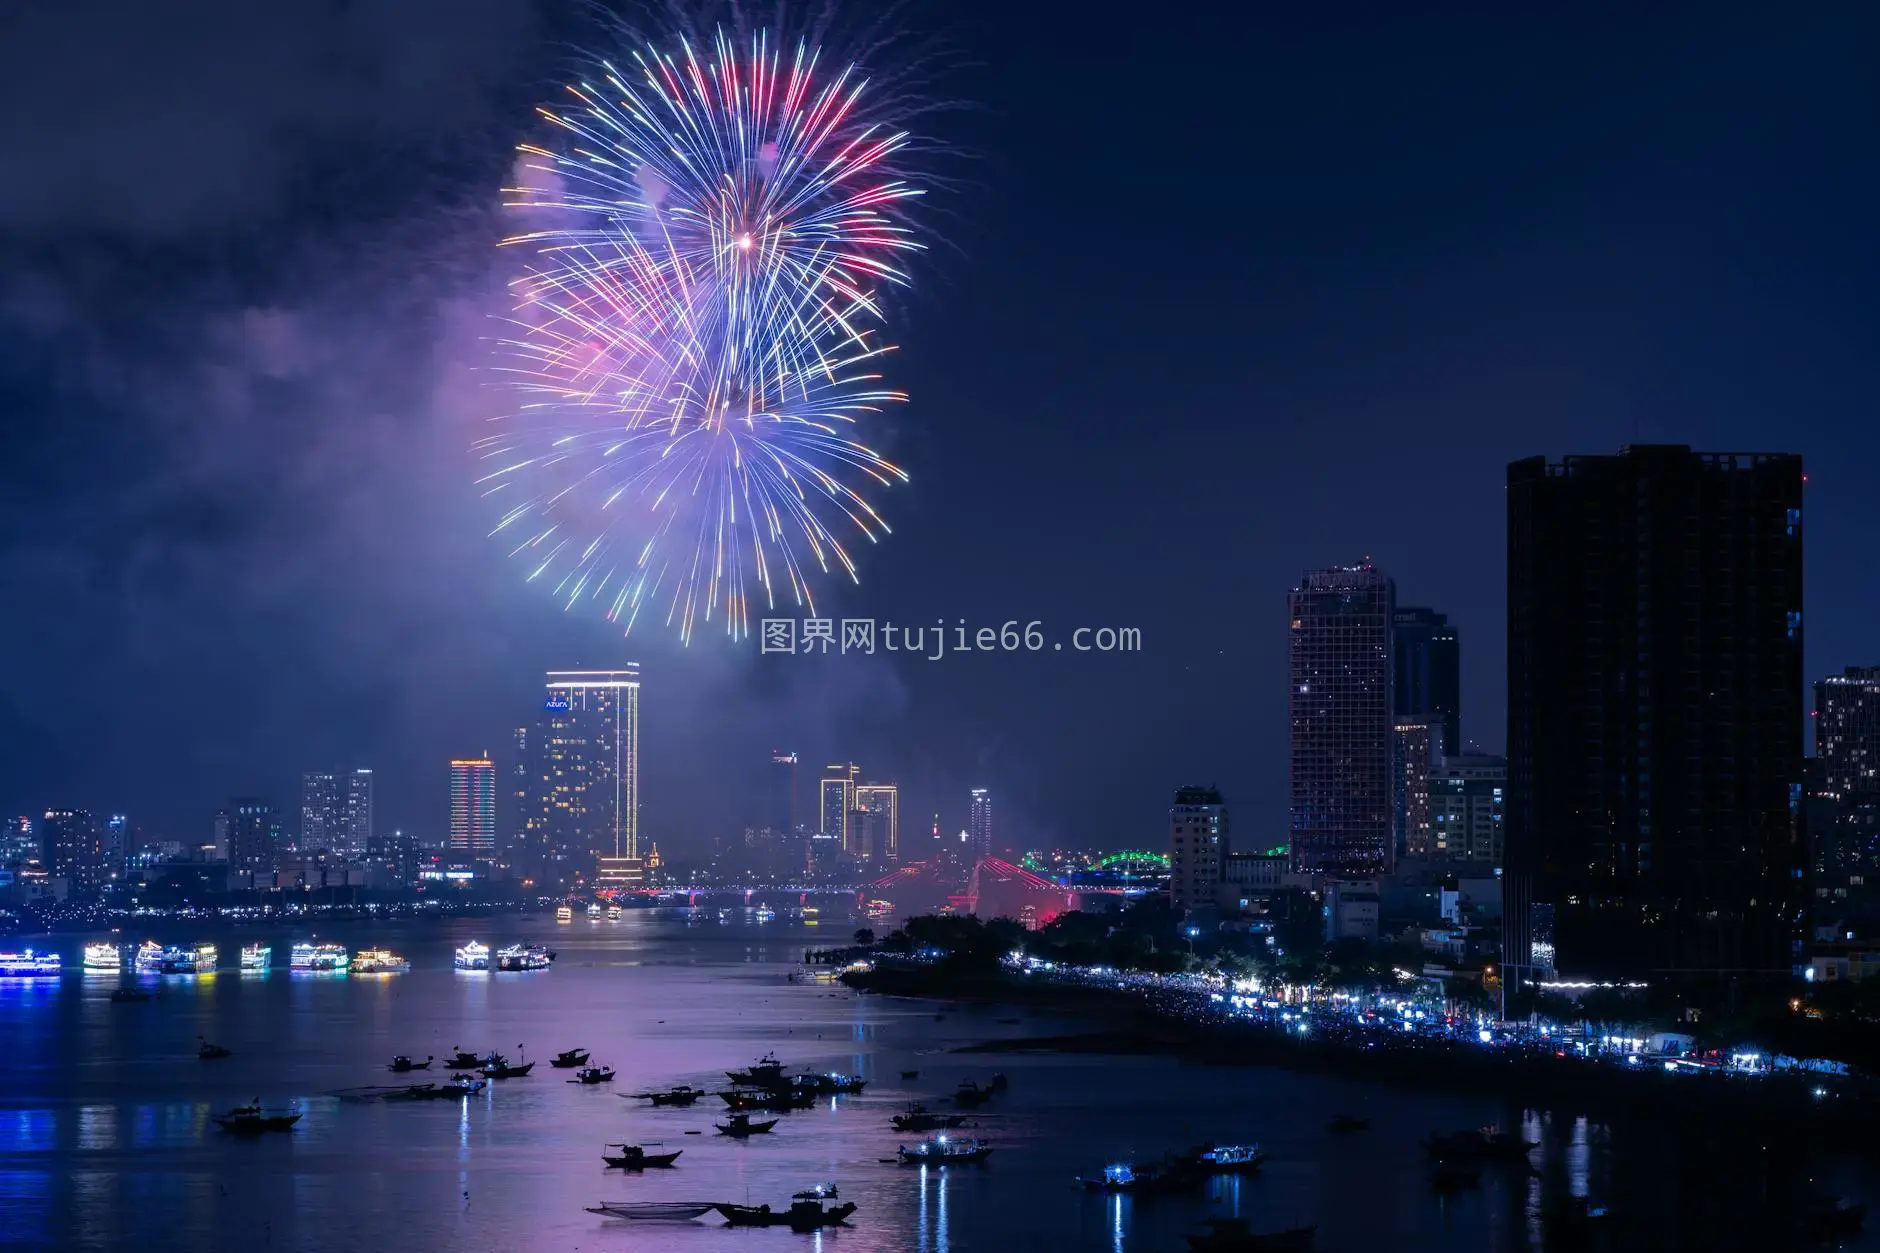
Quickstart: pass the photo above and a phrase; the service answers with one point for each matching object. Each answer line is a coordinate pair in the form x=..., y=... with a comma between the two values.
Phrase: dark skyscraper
x=1427, y=672
x=1340, y=705
x=322, y=812
x=780, y=793
x=1654, y=712
x=72, y=846
x=252, y=836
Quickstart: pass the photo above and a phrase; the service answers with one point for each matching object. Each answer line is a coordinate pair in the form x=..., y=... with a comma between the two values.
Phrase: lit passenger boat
x=613, y=913
x=472, y=956
x=149, y=958
x=319, y=958
x=564, y=913
x=256, y=956
x=594, y=910
x=103, y=956
x=177, y=960
x=28, y=965
x=202, y=959
x=379, y=961
x=522, y=957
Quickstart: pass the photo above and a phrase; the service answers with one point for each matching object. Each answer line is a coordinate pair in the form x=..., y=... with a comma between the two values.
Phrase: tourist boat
x=401, y=1064
x=613, y=913
x=124, y=995
x=500, y=1067
x=1233, y=1235
x=594, y=911
x=103, y=956
x=767, y=1071
x=178, y=961
x=203, y=959
x=680, y=1097
x=252, y=1120
x=741, y=1126
x=320, y=958
x=211, y=1052
x=766, y=914
x=523, y=957
x=633, y=1157
x=379, y=961
x=28, y=965
x=801, y=1216
x=564, y=913
x=652, y=1211
x=945, y=1150
x=569, y=1060
x=148, y=960
x=256, y=956
x=593, y=1074
x=831, y=1084
x=1226, y=1159
x=918, y=1118
x=472, y=956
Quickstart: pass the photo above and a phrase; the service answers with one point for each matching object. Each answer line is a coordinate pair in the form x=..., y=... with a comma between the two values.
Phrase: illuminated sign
x=556, y=703
x=447, y=874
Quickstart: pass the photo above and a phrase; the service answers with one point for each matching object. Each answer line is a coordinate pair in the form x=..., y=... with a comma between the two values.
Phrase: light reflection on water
x=105, y=1139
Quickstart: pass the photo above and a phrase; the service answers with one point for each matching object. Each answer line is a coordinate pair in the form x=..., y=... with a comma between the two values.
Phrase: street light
x=1191, y=933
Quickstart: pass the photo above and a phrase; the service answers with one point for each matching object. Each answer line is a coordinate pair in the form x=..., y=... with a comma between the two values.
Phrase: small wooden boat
x=1348, y=1122
x=971, y=1096
x=998, y=1084
x=801, y=1216
x=211, y=1052
x=593, y=1074
x=680, y=1097
x=1450, y=1177
x=918, y=1118
x=569, y=1060
x=1225, y=1159
x=1142, y=1178
x=253, y=1120
x=129, y=995
x=401, y=1064
x=500, y=1067
x=1233, y=1235
x=412, y=1092
x=945, y=1151
x=468, y=1061
x=633, y=1157
x=831, y=1084
x=780, y=1099
x=654, y=1211
x=741, y=1126
x=459, y=1085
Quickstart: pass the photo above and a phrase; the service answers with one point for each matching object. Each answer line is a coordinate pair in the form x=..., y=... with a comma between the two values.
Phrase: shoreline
x=1133, y=1025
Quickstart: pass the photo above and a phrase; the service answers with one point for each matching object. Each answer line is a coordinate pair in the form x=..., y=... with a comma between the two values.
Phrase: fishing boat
x=1233, y=1235
x=211, y=1052
x=831, y=1084
x=613, y=913
x=806, y=1215
x=103, y=956
x=971, y=1096
x=472, y=956
x=741, y=1126
x=766, y=1071
x=523, y=957
x=564, y=914
x=944, y=1151
x=500, y=1067
x=653, y=1211
x=919, y=1118
x=125, y=995
x=252, y=1120
x=379, y=961
x=319, y=958
x=633, y=1157
x=256, y=956
x=148, y=960
x=680, y=1097
x=28, y=965
x=1225, y=1159
x=781, y=1099
x=593, y=1074
x=1141, y=1178
x=402, y=1064
x=569, y=1060
x=466, y=1061
x=456, y=1086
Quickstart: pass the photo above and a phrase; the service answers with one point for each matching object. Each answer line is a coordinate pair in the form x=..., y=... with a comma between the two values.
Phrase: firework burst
x=698, y=335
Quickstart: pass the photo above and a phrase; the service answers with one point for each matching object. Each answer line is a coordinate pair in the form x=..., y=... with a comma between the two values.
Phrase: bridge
x=990, y=888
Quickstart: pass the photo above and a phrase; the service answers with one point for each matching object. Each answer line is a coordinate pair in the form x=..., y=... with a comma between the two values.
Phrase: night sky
x=1217, y=299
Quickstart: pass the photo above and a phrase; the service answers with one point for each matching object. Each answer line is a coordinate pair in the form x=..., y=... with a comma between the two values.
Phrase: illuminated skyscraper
x=322, y=812
x=253, y=836
x=1847, y=730
x=1340, y=705
x=18, y=841
x=979, y=825
x=583, y=799
x=358, y=814
x=72, y=843
x=836, y=803
x=878, y=813
x=472, y=805
x=1416, y=752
